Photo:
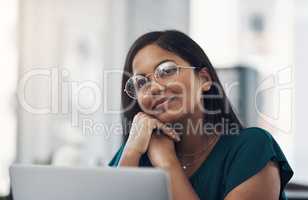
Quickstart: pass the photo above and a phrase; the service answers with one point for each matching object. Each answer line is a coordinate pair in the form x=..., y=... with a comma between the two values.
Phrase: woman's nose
x=156, y=88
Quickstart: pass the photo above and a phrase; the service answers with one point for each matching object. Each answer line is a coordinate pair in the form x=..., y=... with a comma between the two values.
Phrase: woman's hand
x=161, y=152
x=141, y=132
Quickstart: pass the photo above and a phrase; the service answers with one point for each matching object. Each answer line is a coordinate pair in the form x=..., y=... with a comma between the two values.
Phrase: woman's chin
x=171, y=113
x=169, y=116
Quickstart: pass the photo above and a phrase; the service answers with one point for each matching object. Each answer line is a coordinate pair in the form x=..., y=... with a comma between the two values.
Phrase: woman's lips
x=163, y=103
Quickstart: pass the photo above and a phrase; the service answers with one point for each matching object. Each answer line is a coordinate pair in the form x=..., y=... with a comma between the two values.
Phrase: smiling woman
x=176, y=116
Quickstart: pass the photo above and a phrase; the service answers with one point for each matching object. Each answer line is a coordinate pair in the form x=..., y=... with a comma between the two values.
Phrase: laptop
x=35, y=182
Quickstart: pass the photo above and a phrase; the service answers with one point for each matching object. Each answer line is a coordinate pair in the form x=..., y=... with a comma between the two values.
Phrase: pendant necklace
x=188, y=164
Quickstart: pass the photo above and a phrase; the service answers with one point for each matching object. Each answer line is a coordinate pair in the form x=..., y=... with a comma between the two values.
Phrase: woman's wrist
x=132, y=152
x=170, y=164
x=130, y=157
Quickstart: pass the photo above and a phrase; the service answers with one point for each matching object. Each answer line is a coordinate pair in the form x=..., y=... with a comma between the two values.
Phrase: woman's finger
x=168, y=131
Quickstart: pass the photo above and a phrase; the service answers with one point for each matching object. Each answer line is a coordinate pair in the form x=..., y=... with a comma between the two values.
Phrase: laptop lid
x=33, y=182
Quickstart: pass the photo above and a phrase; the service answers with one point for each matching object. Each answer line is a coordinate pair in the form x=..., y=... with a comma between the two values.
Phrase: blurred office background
x=48, y=47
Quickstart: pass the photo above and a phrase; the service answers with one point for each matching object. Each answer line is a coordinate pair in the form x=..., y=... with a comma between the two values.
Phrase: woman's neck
x=193, y=136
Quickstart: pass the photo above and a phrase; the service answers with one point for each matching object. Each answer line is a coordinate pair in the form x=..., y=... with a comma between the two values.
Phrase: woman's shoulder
x=251, y=135
x=248, y=152
x=253, y=141
x=254, y=132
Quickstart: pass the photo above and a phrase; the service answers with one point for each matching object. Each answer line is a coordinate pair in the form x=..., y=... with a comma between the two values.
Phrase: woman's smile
x=162, y=104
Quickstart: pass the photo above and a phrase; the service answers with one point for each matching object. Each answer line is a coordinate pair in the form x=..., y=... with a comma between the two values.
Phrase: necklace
x=205, y=150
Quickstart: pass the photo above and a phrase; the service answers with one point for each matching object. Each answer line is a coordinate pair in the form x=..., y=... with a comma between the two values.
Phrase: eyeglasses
x=164, y=74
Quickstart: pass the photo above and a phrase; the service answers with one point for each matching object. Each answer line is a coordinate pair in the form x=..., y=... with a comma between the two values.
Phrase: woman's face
x=172, y=101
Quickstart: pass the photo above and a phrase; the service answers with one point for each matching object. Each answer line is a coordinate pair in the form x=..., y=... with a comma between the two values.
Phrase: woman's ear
x=206, y=79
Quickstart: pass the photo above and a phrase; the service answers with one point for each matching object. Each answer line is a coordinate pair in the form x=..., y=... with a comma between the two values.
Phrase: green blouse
x=234, y=159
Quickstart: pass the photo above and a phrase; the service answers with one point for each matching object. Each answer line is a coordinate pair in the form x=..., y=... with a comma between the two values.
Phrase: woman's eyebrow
x=161, y=62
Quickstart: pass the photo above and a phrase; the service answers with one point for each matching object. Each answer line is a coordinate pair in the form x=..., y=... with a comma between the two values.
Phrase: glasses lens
x=135, y=84
x=166, y=70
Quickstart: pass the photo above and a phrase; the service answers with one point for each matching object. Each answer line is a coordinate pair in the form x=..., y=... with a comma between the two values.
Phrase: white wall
x=67, y=35
x=301, y=96
x=87, y=38
x=8, y=78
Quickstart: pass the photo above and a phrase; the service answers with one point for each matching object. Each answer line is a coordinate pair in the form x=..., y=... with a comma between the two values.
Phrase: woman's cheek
x=188, y=104
x=145, y=103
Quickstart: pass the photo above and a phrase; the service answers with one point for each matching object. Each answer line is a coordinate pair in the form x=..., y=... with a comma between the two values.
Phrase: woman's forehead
x=149, y=57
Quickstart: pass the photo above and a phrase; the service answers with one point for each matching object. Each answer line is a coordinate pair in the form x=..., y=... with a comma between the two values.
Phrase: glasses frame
x=155, y=78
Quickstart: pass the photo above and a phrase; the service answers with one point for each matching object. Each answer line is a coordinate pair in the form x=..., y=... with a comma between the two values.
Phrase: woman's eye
x=140, y=82
x=167, y=70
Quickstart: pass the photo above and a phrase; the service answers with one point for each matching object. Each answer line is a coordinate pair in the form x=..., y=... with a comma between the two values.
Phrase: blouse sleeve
x=143, y=162
x=116, y=158
x=252, y=153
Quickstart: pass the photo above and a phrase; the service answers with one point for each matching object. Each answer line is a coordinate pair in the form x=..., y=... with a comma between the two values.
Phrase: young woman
x=176, y=116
